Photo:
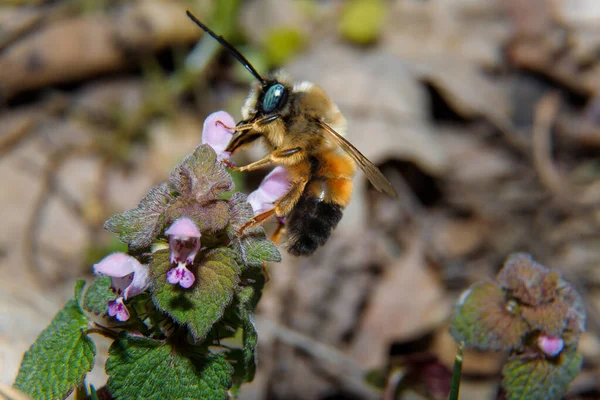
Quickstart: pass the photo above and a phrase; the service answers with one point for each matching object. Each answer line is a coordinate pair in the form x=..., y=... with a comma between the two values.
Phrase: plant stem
x=456, y=372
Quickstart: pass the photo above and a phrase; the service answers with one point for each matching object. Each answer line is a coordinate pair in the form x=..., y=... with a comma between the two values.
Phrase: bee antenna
x=229, y=47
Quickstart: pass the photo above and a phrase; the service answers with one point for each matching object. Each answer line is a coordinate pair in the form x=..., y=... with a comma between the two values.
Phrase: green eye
x=273, y=97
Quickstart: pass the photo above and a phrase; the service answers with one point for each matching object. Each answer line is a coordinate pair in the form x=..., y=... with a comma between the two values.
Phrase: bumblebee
x=303, y=131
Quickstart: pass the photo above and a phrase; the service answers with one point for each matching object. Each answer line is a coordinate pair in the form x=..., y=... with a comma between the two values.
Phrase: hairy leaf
x=212, y=216
x=200, y=176
x=141, y=368
x=524, y=278
x=250, y=337
x=98, y=295
x=484, y=319
x=139, y=226
x=60, y=357
x=200, y=306
x=253, y=245
x=535, y=377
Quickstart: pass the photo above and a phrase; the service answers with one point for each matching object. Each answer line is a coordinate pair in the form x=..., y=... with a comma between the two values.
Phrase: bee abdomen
x=310, y=224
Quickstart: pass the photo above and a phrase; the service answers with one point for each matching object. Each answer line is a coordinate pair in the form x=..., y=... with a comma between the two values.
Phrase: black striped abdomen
x=310, y=223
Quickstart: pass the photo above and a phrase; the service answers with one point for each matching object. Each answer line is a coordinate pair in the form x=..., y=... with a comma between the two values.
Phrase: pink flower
x=184, y=243
x=129, y=278
x=216, y=135
x=550, y=345
x=275, y=185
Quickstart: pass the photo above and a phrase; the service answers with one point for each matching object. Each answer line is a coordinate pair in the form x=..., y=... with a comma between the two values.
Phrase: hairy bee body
x=303, y=130
x=323, y=169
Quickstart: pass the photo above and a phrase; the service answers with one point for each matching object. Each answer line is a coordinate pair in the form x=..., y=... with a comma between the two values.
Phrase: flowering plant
x=188, y=282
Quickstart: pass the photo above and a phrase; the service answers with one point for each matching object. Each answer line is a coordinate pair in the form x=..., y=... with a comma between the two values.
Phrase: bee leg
x=279, y=231
x=281, y=207
x=279, y=157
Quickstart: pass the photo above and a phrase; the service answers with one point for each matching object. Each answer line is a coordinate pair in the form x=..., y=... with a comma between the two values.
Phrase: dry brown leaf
x=408, y=301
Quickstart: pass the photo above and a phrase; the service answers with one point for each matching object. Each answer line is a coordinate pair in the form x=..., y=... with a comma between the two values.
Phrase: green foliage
x=250, y=337
x=362, y=20
x=139, y=226
x=141, y=368
x=60, y=357
x=98, y=295
x=192, y=190
x=532, y=313
x=199, y=307
x=534, y=377
x=484, y=320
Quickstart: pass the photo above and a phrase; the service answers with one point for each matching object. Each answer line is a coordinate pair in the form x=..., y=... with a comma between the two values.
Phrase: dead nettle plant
x=535, y=316
x=179, y=305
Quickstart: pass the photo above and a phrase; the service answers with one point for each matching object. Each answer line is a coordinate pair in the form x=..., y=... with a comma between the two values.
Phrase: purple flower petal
x=183, y=228
x=275, y=185
x=216, y=135
x=116, y=265
x=117, y=308
x=181, y=275
x=139, y=283
x=550, y=345
x=184, y=241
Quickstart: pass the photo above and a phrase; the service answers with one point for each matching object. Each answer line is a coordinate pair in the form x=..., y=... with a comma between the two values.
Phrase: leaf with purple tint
x=535, y=377
x=550, y=318
x=212, y=216
x=523, y=277
x=200, y=176
x=486, y=320
x=139, y=226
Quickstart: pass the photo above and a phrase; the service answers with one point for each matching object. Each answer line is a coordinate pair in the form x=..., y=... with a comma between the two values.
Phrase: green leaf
x=254, y=245
x=200, y=306
x=200, y=176
x=485, y=319
x=141, y=368
x=250, y=337
x=138, y=227
x=60, y=357
x=98, y=295
x=212, y=216
x=535, y=377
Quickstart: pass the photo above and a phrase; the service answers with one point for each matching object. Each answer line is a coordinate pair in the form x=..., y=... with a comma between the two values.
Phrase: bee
x=303, y=130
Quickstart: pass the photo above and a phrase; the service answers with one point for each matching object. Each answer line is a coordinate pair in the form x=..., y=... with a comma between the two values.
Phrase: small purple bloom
x=216, y=134
x=274, y=186
x=184, y=241
x=550, y=345
x=117, y=308
x=181, y=275
x=129, y=278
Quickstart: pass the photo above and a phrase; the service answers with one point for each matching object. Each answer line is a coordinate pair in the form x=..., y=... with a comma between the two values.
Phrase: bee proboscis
x=302, y=129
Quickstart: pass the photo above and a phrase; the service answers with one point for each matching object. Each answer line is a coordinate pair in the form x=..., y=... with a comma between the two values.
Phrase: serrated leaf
x=98, y=295
x=200, y=306
x=549, y=318
x=254, y=245
x=141, y=368
x=138, y=227
x=200, y=176
x=60, y=357
x=484, y=319
x=535, y=377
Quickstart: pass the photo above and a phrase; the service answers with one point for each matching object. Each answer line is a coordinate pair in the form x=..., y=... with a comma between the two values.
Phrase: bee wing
x=371, y=171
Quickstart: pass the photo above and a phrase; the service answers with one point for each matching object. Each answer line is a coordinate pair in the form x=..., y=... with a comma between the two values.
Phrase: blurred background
x=484, y=115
